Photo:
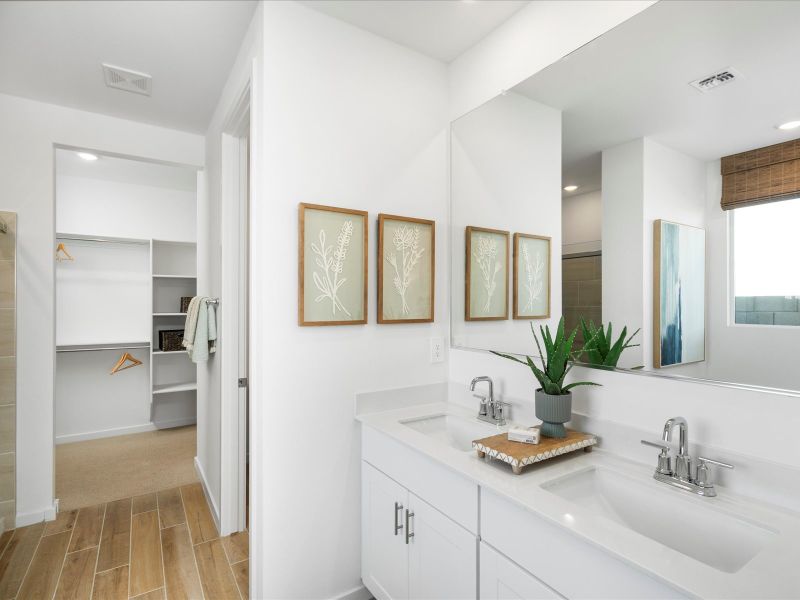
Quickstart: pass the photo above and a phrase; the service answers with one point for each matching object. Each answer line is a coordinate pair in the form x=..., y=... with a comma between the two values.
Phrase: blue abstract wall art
x=679, y=318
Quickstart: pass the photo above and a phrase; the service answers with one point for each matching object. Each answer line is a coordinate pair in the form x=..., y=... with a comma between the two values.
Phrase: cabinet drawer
x=440, y=487
x=560, y=559
x=501, y=579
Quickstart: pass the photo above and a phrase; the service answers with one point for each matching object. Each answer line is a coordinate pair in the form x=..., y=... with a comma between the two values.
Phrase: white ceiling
x=633, y=82
x=51, y=51
x=125, y=170
x=441, y=29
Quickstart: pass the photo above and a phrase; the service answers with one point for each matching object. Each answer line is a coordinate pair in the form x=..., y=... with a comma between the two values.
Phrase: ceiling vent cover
x=719, y=78
x=127, y=80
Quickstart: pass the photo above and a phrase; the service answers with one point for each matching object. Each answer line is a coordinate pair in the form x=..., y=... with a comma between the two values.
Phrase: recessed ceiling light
x=570, y=188
x=789, y=125
x=87, y=156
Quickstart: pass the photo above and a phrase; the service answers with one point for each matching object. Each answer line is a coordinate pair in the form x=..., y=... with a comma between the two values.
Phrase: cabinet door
x=384, y=553
x=442, y=555
x=501, y=579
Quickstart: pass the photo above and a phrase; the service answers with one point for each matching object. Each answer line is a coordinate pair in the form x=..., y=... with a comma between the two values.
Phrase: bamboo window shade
x=763, y=175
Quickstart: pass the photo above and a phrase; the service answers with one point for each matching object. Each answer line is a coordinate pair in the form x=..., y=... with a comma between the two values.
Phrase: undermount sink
x=716, y=538
x=454, y=431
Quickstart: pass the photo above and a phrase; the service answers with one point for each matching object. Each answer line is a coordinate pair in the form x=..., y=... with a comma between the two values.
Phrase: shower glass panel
x=8, y=370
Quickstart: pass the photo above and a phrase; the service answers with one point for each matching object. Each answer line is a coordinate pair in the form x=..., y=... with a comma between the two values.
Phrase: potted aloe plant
x=598, y=346
x=553, y=398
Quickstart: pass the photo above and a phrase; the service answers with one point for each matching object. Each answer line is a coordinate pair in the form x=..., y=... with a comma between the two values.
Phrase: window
x=766, y=263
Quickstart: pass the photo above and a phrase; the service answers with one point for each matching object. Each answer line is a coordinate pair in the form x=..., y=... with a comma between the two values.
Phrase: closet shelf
x=161, y=352
x=170, y=388
x=169, y=314
x=163, y=276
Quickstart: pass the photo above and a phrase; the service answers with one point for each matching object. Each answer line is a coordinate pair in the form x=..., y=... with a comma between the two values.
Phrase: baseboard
x=209, y=498
x=36, y=516
x=183, y=422
x=359, y=593
x=96, y=435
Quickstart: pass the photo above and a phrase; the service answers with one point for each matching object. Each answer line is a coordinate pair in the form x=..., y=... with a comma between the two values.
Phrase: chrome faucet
x=491, y=410
x=701, y=482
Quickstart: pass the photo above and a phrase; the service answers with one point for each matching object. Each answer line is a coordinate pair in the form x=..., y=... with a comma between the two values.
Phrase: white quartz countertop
x=772, y=573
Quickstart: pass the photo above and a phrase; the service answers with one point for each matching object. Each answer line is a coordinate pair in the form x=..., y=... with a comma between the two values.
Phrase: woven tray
x=519, y=455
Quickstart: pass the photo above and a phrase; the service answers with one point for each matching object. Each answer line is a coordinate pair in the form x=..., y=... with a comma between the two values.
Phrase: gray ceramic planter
x=554, y=411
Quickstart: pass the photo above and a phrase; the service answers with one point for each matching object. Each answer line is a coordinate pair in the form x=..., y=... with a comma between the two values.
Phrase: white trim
x=358, y=593
x=209, y=498
x=37, y=516
x=105, y=433
x=234, y=172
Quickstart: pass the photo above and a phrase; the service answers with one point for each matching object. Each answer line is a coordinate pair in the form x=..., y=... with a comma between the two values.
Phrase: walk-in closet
x=126, y=269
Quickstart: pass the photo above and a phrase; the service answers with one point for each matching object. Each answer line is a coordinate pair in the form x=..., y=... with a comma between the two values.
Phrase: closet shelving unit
x=174, y=273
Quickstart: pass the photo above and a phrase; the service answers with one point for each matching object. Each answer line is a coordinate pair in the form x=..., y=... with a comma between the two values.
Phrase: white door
x=502, y=579
x=442, y=555
x=384, y=553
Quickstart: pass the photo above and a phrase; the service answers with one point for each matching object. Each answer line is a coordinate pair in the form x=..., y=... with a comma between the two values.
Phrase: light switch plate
x=437, y=350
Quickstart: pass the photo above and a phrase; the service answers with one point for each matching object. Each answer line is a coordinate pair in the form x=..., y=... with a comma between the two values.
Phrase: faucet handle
x=662, y=446
x=703, y=477
x=664, y=459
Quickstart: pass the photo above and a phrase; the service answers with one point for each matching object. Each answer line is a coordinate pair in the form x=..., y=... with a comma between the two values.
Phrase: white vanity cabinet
x=501, y=579
x=410, y=550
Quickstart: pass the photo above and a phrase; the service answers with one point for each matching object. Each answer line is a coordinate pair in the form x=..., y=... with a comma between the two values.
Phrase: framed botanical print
x=332, y=266
x=486, y=288
x=679, y=294
x=406, y=269
x=531, y=290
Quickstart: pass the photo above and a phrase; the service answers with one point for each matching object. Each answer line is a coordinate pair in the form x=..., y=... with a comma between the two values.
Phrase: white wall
x=210, y=265
x=352, y=120
x=535, y=37
x=127, y=210
x=623, y=241
x=582, y=222
x=28, y=132
x=504, y=175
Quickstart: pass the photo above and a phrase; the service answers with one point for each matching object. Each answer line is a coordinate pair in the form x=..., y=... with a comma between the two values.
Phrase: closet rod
x=102, y=240
x=94, y=349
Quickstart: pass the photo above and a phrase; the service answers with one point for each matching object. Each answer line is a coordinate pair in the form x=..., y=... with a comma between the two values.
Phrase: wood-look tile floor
x=155, y=546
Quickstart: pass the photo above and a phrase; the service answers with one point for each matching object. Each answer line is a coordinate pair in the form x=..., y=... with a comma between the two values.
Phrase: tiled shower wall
x=768, y=310
x=8, y=380
x=582, y=290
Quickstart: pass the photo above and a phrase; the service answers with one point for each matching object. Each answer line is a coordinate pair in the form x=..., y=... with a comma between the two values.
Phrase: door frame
x=236, y=183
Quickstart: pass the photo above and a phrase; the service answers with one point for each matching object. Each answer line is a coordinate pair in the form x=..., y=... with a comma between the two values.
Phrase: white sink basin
x=705, y=533
x=454, y=431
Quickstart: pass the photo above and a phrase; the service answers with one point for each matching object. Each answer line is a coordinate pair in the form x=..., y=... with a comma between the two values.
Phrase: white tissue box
x=526, y=435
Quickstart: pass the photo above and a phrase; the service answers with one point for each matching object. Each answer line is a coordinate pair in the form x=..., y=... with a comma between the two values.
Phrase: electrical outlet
x=437, y=350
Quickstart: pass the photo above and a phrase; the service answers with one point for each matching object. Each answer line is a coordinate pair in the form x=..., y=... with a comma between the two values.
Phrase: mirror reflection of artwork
x=406, y=269
x=531, y=276
x=487, y=274
x=333, y=266
x=679, y=294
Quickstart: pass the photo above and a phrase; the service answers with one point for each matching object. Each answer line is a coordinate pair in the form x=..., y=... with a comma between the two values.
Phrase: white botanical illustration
x=534, y=276
x=485, y=254
x=405, y=241
x=331, y=260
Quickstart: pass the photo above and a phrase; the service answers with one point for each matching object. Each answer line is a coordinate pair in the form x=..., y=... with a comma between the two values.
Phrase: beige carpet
x=96, y=471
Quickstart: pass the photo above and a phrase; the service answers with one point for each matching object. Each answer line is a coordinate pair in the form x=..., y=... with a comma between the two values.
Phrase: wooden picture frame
x=531, y=271
x=321, y=271
x=420, y=257
x=472, y=309
x=691, y=279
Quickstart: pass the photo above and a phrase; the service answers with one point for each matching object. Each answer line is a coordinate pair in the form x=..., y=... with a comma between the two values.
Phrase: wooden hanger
x=62, y=253
x=135, y=362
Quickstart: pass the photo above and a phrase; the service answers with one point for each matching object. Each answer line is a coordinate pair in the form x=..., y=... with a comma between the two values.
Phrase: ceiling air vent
x=710, y=82
x=127, y=80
